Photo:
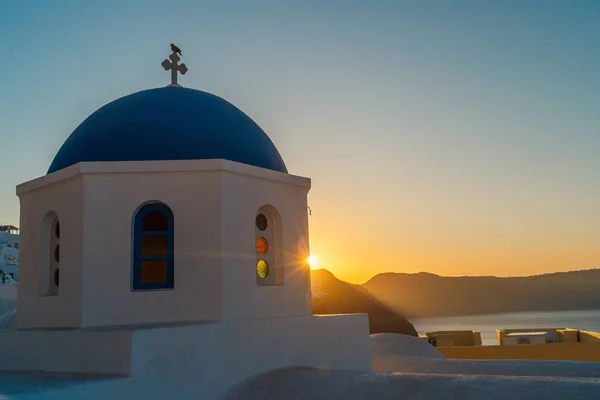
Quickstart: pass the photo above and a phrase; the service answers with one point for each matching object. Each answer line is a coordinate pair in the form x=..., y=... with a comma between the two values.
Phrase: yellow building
x=566, y=344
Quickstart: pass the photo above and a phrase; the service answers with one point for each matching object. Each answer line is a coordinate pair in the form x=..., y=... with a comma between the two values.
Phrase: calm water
x=487, y=324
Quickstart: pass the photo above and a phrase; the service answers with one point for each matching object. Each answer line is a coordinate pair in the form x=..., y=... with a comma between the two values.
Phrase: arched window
x=267, y=235
x=49, y=256
x=153, y=245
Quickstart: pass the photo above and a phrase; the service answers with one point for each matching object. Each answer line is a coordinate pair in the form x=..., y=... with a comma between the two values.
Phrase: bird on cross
x=175, y=49
x=174, y=65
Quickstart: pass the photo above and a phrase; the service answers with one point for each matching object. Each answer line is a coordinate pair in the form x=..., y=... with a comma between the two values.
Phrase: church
x=164, y=255
x=165, y=251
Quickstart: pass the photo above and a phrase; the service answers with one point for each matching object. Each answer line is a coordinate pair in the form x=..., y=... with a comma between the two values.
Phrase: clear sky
x=454, y=137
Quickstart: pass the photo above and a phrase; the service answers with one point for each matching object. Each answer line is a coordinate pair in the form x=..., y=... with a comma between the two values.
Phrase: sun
x=313, y=261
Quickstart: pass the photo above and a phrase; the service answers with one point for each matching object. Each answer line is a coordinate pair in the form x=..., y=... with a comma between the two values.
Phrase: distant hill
x=429, y=295
x=333, y=296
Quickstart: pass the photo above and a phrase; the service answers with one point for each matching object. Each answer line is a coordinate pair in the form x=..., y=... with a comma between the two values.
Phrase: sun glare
x=313, y=261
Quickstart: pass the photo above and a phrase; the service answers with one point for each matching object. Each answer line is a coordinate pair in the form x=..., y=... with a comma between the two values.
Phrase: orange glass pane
x=153, y=272
x=262, y=245
x=155, y=246
x=262, y=269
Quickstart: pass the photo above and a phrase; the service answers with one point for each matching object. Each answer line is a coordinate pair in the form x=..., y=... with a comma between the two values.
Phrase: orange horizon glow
x=412, y=237
x=351, y=268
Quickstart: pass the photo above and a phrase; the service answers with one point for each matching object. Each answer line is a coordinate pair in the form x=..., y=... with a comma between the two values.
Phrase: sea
x=487, y=324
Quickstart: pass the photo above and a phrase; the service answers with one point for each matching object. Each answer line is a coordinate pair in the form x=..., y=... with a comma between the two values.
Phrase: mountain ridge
x=425, y=273
x=429, y=295
x=331, y=295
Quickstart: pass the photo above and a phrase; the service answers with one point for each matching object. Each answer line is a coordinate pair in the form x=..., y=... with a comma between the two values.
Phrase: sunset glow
x=455, y=139
x=313, y=261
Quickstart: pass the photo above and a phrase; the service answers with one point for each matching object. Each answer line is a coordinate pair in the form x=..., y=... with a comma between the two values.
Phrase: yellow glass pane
x=262, y=269
x=262, y=245
x=155, y=246
x=153, y=272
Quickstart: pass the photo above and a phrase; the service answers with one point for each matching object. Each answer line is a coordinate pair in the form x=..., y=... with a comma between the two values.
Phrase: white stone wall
x=111, y=201
x=243, y=196
x=74, y=351
x=188, y=362
x=63, y=195
x=209, y=359
x=214, y=203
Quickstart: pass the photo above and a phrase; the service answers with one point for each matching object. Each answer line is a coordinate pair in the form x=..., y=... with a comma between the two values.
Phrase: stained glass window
x=262, y=245
x=153, y=248
x=261, y=222
x=262, y=269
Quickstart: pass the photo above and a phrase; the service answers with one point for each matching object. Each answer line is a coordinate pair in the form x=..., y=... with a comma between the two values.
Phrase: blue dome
x=170, y=123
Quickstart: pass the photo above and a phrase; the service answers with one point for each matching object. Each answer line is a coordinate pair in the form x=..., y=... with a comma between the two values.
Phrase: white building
x=168, y=246
x=9, y=251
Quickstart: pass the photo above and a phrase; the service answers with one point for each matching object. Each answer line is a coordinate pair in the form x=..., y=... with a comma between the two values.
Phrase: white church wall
x=210, y=358
x=111, y=202
x=76, y=351
x=215, y=259
x=62, y=195
x=196, y=360
x=245, y=190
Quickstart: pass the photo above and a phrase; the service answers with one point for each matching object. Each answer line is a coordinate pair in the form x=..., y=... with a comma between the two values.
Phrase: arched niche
x=49, y=256
x=268, y=236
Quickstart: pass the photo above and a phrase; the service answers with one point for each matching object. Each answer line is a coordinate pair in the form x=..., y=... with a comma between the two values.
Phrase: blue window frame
x=153, y=248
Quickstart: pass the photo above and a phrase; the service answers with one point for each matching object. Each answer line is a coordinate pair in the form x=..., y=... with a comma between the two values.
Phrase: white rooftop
x=527, y=334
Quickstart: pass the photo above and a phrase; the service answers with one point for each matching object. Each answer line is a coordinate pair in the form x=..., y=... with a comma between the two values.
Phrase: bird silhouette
x=175, y=49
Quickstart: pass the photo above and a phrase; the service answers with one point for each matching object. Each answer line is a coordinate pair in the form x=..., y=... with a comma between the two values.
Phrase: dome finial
x=173, y=66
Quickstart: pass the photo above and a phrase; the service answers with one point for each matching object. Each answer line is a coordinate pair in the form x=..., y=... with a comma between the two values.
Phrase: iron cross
x=174, y=67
